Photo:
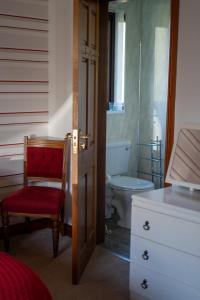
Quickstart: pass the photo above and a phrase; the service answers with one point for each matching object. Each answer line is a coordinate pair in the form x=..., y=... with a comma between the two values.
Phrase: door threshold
x=121, y=256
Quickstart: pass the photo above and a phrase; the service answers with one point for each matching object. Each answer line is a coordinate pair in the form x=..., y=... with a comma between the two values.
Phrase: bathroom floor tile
x=117, y=239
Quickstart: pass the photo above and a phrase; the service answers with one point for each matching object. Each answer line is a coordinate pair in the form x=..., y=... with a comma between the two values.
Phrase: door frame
x=102, y=104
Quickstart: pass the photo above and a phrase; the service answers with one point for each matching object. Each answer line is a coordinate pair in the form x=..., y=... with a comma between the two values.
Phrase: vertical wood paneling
x=23, y=83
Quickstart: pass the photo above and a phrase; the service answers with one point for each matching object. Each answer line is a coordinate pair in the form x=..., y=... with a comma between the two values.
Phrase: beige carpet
x=106, y=276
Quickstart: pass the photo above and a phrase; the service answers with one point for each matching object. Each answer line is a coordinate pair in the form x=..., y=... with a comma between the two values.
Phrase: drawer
x=155, y=286
x=173, y=263
x=166, y=230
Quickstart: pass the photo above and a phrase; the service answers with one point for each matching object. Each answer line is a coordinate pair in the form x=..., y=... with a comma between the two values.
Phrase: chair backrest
x=45, y=159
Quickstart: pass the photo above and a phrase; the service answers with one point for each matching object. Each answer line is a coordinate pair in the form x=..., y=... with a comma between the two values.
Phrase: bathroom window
x=117, y=36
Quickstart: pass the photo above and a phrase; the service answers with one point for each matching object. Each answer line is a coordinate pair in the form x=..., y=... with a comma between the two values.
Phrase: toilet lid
x=130, y=183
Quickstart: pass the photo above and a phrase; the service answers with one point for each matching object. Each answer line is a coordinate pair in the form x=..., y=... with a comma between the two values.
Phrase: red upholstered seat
x=18, y=282
x=35, y=200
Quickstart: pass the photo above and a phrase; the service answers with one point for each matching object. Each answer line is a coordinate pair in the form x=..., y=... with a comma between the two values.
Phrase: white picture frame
x=169, y=178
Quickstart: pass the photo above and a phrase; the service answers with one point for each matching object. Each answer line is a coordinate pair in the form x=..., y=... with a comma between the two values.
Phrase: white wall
x=60, y=74
x=188, y=73
x=23, y=83
x=60, y=67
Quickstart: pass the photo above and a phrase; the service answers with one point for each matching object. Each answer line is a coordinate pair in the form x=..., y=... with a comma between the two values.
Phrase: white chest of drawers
x=165, y=245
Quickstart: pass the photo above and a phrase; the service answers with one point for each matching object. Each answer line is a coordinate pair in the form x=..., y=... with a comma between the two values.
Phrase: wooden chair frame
x=48, y=143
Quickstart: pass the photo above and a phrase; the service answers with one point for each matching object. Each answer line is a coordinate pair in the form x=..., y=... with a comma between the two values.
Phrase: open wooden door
x=85, y=70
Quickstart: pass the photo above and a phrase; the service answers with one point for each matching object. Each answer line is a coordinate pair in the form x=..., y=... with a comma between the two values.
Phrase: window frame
x=111, y=57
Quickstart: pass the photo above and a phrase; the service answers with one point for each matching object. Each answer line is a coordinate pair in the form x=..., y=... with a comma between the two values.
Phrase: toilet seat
x=130, y=183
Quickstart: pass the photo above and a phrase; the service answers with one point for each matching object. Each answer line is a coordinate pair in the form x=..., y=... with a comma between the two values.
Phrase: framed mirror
x=184, y=166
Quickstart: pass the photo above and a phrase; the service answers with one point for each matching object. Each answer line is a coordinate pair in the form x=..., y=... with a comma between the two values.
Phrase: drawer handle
x=144, y=284
x=146, y=226
x=145, y=255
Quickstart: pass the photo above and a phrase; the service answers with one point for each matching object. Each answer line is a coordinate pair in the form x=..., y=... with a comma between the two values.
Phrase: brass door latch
x=78, y=140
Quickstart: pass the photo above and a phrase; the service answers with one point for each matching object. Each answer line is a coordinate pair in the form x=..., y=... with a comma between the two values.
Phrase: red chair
x=17, y=281
x=45, y=160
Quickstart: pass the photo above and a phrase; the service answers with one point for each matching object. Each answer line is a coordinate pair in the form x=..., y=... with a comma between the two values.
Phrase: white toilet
x=123, y=187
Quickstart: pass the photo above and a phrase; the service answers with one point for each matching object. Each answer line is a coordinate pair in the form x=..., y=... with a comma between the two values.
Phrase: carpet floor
x=106, y=276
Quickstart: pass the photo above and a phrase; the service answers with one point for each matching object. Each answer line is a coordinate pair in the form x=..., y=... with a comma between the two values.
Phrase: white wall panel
x=188, y=69
x=23, y=23
x=11, y=165
x=11, y=181
x=23, y=102
x=15, y=133
x=15, y=150
x=13, y=54
x=23, y=83
x=32, y=9
x=23, y=88
x=23, y=118
x=23, y=71
x=23, y=39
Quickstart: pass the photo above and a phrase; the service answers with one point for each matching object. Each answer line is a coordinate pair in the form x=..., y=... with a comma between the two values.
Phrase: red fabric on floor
x=18, y=282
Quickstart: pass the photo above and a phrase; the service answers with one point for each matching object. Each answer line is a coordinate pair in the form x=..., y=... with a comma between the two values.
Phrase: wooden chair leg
x=27, y=225
x=5, y=221
x=62, y=216
x=55, y=234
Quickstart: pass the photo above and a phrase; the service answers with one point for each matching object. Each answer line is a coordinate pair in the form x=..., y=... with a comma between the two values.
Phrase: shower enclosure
x=147, y=36
x=154, y=53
